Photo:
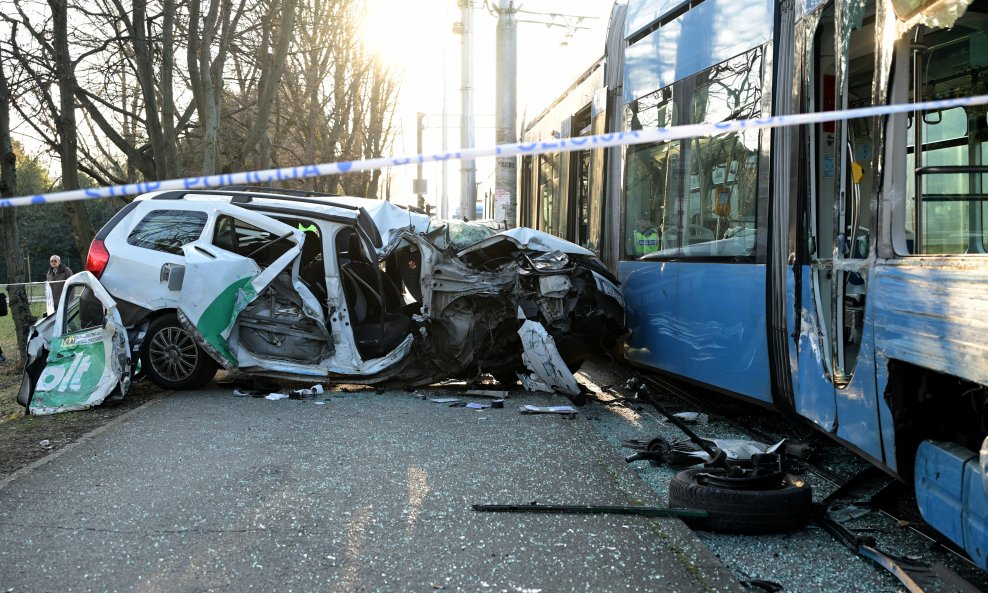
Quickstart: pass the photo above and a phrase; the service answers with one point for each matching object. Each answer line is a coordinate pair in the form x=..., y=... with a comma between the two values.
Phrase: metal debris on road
x=530, y=409
x=584, y=509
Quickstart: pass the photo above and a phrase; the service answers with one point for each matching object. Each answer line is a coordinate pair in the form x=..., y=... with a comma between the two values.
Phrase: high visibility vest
x=647, y=242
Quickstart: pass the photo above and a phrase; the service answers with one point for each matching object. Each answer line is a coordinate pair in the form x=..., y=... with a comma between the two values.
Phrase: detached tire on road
x=742, y=511
x=171, y=357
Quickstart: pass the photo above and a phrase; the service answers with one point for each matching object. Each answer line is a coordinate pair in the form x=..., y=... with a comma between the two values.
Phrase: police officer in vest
x=646, y=238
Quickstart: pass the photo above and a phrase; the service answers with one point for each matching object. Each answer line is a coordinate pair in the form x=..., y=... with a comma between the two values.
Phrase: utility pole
x=468, y=177
x=506, y=173
x=444, y=193
x=419, y=185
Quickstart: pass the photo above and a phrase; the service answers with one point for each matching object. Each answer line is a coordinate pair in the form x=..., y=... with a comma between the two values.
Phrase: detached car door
x=78, y=357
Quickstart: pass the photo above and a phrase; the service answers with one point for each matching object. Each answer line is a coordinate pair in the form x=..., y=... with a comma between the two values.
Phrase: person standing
x=646, y=238
x=57, y=275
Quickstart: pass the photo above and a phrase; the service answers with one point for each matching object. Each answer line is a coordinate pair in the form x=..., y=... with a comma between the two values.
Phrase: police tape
x=613, y=139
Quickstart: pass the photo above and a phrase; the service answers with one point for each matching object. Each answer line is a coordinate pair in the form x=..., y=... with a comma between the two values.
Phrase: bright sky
x=418, y=38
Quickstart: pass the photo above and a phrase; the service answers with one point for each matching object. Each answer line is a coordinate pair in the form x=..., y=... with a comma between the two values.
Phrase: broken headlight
x=550, y=262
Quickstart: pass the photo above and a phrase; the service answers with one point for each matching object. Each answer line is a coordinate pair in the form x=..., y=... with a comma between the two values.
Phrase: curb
x=27, y=469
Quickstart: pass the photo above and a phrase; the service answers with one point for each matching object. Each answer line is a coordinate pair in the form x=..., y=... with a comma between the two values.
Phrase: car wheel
x=172, y=359
x=784, y=508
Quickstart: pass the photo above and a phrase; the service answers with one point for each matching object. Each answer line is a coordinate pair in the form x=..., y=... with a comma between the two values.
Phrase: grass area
x=10, y=371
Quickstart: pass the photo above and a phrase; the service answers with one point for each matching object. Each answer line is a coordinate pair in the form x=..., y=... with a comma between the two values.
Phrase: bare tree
x=13, y=252
x=53, y=65
x=272, y=55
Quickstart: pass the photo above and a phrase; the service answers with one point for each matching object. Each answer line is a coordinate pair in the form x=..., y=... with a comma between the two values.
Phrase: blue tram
x=836, y=271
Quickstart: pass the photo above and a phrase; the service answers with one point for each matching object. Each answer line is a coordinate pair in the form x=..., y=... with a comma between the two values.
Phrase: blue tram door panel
x=702, y=321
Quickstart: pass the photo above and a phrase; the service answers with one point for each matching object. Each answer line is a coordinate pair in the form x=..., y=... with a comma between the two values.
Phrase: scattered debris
x=585, y=509
x=476, y=406
x=693, y=417
x=530, y=409
x=843, y=514
x=313, y=391
x=502, y=395
x=276, y=396
x=762, y=585
x=445, y=400
x=735, y=449
x=46, y=445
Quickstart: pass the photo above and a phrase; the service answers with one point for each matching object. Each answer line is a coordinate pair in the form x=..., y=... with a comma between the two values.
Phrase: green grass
x=10, y=375
x=8, y=340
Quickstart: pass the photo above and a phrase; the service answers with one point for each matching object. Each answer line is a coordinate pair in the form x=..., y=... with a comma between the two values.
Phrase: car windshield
x=458, y=234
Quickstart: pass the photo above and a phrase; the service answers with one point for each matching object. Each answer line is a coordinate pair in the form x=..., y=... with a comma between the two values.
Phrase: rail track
x=855, y=487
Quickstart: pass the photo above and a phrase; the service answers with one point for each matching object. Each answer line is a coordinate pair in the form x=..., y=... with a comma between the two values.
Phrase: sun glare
x=402, y=33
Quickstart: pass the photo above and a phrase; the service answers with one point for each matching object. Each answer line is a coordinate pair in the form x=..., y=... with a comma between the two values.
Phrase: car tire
x=172, y=359
x=786, y=508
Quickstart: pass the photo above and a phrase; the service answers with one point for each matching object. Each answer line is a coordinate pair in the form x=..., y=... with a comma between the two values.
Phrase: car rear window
x=167, y=230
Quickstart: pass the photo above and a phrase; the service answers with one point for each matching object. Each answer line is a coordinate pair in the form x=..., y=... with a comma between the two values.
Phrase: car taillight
x=98, y=258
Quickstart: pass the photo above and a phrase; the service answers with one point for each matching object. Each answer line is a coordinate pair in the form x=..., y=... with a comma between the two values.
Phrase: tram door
x=838, y=215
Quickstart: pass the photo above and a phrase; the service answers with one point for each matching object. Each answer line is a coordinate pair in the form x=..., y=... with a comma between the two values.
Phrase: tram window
x=548, y=210
x=652, y=176
x=725, y=167
x=716, y=176
x=946, y=213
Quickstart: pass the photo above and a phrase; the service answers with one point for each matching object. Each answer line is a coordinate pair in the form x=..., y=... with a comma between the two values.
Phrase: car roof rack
x=301, y=193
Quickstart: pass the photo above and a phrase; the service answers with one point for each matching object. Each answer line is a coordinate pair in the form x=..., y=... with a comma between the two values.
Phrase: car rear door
x=219, y=282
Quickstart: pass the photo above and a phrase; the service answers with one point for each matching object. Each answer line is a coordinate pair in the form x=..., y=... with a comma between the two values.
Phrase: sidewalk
x=204, y=491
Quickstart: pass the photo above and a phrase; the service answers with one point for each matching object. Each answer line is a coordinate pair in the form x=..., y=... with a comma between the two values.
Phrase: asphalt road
x=204, y=491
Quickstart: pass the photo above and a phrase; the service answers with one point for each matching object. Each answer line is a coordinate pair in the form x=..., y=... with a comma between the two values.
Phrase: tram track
x=876, y=488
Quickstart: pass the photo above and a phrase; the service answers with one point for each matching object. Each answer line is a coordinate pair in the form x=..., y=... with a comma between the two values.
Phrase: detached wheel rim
x=173, y=354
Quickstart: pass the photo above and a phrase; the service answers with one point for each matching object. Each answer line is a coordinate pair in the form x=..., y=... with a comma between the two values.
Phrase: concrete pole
x=419, y=184
x=468, y=170
x=506, y=172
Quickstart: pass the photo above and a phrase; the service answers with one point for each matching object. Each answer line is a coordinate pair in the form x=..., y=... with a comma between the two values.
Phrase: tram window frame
x=953, y=220
x=547, y=212
x=670, y=186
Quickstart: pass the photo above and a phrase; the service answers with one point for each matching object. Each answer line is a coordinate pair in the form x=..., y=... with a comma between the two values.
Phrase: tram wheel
x=783, y=508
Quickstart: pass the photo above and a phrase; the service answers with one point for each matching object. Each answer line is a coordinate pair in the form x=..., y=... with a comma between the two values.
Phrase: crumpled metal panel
x=82, y=368
x=542, y=358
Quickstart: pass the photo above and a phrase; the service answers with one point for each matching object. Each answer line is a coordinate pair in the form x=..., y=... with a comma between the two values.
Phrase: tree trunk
x=273, y=65
x=82, y=225
x=169, y=136
x=144, y=61
x=13, y=251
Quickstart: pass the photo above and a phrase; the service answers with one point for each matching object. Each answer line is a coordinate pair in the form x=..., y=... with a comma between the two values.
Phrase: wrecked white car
x=78, y=357
x=304, y=286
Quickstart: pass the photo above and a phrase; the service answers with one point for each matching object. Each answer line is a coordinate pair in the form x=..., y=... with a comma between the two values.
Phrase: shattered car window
x=459, y=235
x=167, y=230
